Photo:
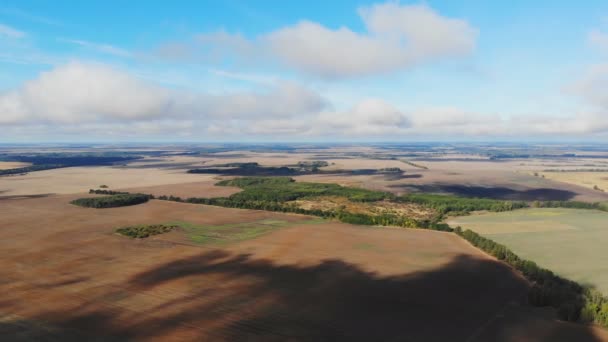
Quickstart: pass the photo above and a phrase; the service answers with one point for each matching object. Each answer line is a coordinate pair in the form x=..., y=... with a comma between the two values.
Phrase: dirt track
x=65, y=275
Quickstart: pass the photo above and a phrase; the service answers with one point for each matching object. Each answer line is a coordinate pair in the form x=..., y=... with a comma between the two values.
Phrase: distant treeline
x=59, y=160
x=253, y=169
x=107, y=192
x=573, y=301
x=112, y=201
x=413, y=164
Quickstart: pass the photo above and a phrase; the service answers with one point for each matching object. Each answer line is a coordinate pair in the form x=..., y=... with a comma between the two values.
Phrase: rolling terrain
x=68, y=275
x=234, y=274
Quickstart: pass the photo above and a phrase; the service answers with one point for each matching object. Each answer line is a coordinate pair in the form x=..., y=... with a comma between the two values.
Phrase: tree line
x=573, y=301
x=109, y=192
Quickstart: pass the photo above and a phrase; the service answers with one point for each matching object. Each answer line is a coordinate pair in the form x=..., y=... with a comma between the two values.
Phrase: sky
x=338, y=70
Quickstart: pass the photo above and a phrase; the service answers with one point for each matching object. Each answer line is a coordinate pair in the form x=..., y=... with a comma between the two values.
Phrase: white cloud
x=368, y=117
x=99, y=47
x=79, y=93
x=87, y=98
x=396, y=37
x=11, y=32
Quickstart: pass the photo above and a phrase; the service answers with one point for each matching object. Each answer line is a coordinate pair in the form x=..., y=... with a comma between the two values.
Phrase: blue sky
x=275, y=70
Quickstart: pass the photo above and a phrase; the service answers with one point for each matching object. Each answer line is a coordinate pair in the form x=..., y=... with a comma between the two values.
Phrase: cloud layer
x=396, y=37
x=91, y=98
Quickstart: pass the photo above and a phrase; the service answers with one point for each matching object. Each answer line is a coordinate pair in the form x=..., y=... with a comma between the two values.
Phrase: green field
x=234, y=232
x=571, y=242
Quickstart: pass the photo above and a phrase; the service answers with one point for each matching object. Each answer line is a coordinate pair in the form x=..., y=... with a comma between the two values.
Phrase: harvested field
x=205, y=189
x=67, y=276
x=584, y=179
x=12, y=165
x=81, y=179
x=570, y=242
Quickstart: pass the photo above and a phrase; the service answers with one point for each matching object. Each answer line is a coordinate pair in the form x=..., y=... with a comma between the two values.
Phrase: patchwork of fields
x=571, y=242
x=68, y=275
x=213, y=273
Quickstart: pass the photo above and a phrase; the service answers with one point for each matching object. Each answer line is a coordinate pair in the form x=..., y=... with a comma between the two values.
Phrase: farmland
x=597, y=180
x=300, y=278
x=178, y=269
x=567, y=241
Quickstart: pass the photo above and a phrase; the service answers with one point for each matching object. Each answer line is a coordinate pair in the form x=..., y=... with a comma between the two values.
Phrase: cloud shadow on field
x=493, y=192
x=236, y=297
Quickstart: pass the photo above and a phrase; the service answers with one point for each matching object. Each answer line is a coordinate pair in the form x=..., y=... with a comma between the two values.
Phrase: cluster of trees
x=572, y=301
x=112, y=201
x=283, y=189
x=453, y=205
x=140, y=232
x=273, y=193
x=390, y=170
x=312, y=166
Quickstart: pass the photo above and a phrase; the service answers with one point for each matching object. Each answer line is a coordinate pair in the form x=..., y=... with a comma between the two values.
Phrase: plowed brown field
x=66, y=276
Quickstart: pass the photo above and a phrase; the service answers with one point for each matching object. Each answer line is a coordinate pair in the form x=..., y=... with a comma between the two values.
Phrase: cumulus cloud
x=10, y=32
x=95, y=100
x=396, y=37
x=82, y=93
x=79, y=92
